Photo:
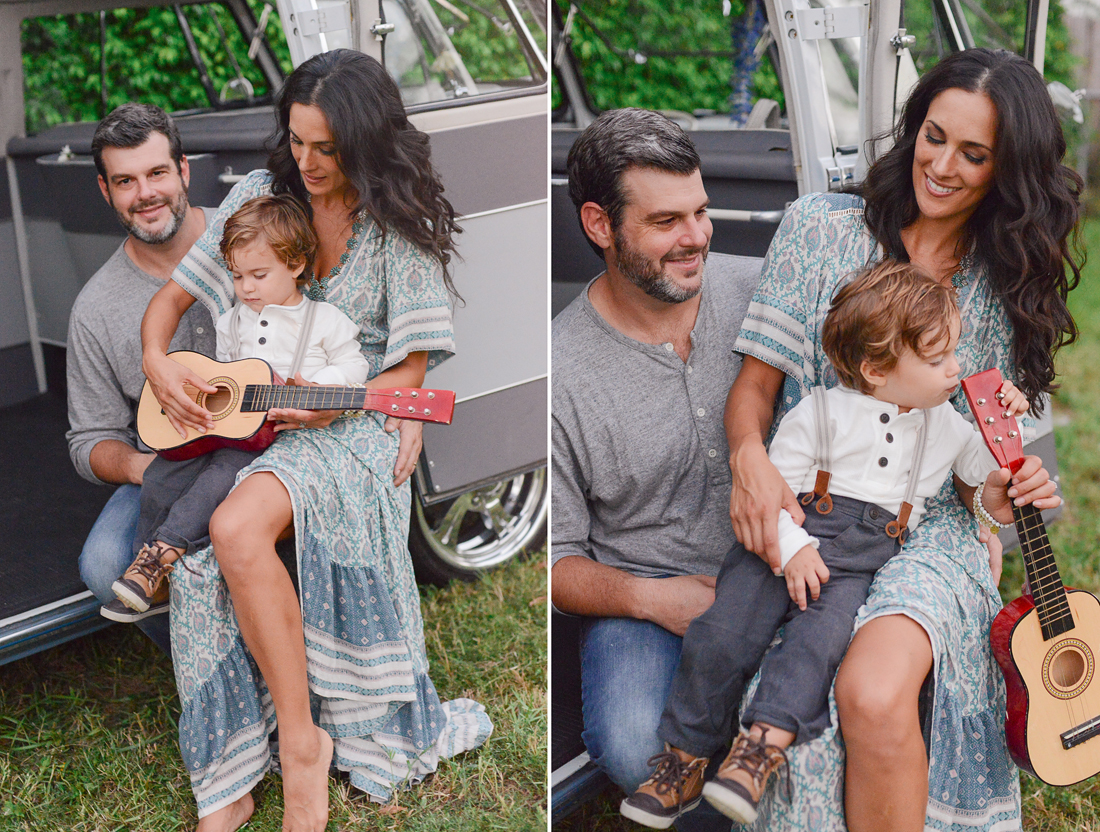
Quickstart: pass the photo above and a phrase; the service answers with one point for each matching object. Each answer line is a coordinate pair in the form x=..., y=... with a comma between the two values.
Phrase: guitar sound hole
x=218, y=402
x=1067, y=668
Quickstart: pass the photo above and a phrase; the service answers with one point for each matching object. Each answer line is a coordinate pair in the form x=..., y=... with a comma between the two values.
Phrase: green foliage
x=146, y=59
x=628, y=73
x=489, y=45
x=614, y=79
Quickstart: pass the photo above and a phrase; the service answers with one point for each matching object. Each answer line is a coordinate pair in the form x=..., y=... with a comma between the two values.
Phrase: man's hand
x=673, y=603
x=412, y=441
x=757, y=495
x=806, y=571
x=113, y=461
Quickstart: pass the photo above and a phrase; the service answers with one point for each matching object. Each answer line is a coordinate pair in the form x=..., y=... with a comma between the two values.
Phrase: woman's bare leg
x=877, y=688
x=244, y=530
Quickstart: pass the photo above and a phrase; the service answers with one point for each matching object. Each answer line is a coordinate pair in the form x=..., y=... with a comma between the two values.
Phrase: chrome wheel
x=480, y=529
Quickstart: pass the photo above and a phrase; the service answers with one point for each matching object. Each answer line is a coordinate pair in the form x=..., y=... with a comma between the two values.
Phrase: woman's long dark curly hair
x=1024, y=231
x=384, y=157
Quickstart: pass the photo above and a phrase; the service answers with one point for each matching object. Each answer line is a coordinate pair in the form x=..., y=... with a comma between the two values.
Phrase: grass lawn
x=1074, y=538
x=88, y=730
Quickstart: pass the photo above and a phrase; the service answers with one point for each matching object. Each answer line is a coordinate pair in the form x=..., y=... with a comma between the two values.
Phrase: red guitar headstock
x=998, y=426
x=415, y=403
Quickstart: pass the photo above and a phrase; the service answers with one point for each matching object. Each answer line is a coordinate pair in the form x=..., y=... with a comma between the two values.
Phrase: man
x=643, y=361
x=143, y=175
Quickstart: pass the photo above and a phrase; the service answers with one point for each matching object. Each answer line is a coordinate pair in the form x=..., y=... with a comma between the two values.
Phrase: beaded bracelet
x=356, y=413
x=984, y=517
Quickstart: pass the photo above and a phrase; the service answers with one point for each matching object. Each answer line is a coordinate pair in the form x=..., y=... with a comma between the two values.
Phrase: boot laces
x=757, y=758
x=671, y=772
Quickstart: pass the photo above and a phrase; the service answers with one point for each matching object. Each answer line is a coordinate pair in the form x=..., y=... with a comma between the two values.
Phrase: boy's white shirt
x=859, y=442
x=333, y=355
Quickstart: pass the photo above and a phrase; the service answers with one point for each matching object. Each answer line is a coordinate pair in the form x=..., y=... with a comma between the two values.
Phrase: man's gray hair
x=615, y=142
x=130, y=125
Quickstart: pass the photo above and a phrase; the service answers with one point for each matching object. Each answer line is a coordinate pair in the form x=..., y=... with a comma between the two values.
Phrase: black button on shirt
x=889, y=437
x=884, y=418
x=883, y=461
x=263, y=323
x=263, y=340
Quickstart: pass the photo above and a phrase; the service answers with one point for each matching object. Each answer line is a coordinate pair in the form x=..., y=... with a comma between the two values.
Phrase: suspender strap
x=899, y=528
x=235, y=333
x=824, y=453
x=303, y=339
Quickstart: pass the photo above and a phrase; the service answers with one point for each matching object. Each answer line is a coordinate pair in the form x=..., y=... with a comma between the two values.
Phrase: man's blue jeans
x=109, y=549
x=626, y=671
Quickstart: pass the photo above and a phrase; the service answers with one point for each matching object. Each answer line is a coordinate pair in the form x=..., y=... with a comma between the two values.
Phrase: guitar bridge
x=1079, y=734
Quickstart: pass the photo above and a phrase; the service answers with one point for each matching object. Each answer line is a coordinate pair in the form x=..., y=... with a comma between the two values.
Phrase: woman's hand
x=166, y=376
x=1014, y=401
x=408, y=452
x=171, y=382
x=996, y=559
x=1029, y=485
x=758, y=493
x=288, y=418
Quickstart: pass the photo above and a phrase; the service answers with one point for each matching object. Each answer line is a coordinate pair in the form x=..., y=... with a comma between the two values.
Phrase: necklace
x=959, y=278
x=316, y=288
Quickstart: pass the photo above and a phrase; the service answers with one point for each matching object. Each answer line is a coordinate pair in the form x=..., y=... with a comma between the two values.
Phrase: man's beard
x=177, y=207
x=650, y=277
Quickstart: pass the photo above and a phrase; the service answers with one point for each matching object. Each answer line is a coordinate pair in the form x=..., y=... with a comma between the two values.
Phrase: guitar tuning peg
x=998, y=439
x=1000, y=396
x=981, y=402
x=397, y=394
x=1012, y=434
x=431, y=395
x=427, y=412
x=413, y=394
x=1006, y=415
x=989, y=420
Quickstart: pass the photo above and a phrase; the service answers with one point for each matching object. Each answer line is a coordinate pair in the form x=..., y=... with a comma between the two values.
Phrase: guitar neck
x=1047, y=590
x=405, y=403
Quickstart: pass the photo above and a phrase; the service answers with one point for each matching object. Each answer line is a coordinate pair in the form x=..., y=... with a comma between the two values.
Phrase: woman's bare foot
x=229, y=818
x=305, y=786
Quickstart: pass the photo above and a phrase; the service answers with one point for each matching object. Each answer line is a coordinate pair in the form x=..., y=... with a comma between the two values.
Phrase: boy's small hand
x=806, y=570
x=1014, y=401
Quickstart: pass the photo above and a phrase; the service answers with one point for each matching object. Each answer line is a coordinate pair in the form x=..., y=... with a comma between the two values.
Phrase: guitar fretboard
x=261, y=397
x=1047, y=590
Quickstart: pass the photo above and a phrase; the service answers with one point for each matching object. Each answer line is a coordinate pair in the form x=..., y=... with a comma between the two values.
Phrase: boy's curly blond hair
x=890, y=307
x=282, y=222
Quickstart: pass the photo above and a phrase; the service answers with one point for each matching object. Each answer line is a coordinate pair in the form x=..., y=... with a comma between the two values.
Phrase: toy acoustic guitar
x=245, y=392
x=1046, y=642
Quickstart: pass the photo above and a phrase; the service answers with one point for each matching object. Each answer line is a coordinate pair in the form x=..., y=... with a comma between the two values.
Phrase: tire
x=479, y=530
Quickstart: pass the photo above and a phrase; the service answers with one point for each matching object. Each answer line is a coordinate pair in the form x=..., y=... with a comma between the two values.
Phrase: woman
x=973, y=191
x=344, y=146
